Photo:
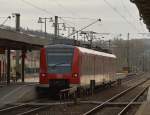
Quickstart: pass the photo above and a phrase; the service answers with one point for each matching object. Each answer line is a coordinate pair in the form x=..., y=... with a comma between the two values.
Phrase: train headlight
x=75, y=75
x=43, y=75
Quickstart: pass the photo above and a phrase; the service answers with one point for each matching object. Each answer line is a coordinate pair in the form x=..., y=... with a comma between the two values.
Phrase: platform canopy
x=144, y=10
x=19, y=40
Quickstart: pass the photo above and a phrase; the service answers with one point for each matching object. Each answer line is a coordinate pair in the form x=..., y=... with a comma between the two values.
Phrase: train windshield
x=59, y=60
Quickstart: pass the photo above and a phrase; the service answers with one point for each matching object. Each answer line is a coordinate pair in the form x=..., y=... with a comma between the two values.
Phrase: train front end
x=59, y=67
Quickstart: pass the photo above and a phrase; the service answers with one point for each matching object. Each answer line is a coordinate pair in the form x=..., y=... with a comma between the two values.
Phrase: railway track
x=117, y=107
x=50, y=107
x=132, y=78
x=29, y=108
x=21, y=109
x=104, y=94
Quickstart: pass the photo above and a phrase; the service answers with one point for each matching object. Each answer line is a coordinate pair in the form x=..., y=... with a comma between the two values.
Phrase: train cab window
x=59, y=61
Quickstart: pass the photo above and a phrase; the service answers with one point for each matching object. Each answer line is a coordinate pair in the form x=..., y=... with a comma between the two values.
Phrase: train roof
x=94, y=52
x=59, y=46
x=84, y=50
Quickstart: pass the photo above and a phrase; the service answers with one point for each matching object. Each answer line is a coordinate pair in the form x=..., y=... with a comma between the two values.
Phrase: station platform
x=19, y=92
x=145, y=107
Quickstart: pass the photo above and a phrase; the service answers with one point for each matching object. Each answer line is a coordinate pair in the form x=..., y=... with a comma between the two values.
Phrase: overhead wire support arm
x=9, y=17
x=99, y=20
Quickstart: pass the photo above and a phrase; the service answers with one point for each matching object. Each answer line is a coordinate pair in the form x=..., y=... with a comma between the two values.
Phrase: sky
x=118, y=16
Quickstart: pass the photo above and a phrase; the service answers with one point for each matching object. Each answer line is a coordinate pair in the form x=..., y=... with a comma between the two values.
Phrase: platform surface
x=145, y=107
x=17, y=93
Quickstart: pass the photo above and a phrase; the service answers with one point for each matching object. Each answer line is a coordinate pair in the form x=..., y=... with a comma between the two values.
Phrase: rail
x=33, y=107
x=65, y=93
x=93, y=110
x=127, y=107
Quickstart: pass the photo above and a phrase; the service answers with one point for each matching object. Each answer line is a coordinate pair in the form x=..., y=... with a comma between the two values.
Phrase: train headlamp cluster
x=43, y=75
x=75, y=75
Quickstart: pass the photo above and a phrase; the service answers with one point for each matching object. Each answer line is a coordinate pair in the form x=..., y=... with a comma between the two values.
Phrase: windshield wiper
x=53, y=66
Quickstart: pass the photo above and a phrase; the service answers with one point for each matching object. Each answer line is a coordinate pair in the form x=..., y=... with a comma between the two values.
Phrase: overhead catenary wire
x=80, y=18
x=72, y=12
x=122, y=16
x=53, y=14
x=66, y=9
x=37, y=7
x=46, y=11
x=126, y=9
x=130, y=14
x=4, y=21
x=84, y=27
x=42, y=9
x=3, y=17
x=66, y=22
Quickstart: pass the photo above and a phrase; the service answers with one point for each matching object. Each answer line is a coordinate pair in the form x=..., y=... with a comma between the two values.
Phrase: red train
x=66, y=66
